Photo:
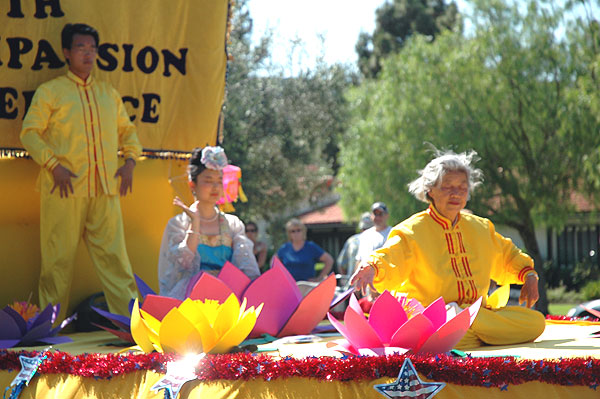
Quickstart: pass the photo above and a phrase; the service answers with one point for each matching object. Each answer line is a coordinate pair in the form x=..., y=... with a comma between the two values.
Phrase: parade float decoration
x=389, y=329
x=285, y=311
x=194, y=326
x=22, y=324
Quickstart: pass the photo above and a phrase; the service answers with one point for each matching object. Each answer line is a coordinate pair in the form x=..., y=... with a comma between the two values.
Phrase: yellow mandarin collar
x=78, y=80
x=440, y=219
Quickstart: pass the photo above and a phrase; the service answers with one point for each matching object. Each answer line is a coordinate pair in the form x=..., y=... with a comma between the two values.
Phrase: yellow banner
x=166, y=58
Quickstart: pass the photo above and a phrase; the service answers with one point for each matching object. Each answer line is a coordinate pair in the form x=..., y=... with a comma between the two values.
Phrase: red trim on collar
x=76, y=79
x=439, y=219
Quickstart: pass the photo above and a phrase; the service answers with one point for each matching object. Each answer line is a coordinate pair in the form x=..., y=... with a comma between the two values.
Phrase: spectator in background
x=346, y=260
x=373, y=238
x=260, y=248
x=299, y=256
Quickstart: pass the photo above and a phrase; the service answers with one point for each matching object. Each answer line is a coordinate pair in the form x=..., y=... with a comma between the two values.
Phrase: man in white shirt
x=373, y=238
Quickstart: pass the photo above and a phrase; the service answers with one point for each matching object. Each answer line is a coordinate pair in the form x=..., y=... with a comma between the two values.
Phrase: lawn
x=560, y=308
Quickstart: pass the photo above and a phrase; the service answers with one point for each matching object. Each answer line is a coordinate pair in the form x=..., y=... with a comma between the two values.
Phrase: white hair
x=445, y=161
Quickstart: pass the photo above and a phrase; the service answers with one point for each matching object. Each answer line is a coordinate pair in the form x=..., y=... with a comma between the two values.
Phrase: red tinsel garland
x=487, y=372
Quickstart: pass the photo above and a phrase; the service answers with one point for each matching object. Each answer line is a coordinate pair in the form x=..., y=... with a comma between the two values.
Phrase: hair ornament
x=214, y=158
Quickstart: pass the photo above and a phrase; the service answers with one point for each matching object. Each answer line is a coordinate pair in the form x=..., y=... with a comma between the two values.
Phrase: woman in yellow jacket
x=445, y=252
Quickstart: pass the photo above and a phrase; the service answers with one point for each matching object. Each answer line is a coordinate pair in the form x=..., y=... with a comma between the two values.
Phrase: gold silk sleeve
x=35, y=125
x=392, y=270
x=128, y=139
x=512, y=265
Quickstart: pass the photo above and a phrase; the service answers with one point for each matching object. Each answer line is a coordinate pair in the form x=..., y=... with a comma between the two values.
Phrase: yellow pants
x=506, y=326
x=63, y=222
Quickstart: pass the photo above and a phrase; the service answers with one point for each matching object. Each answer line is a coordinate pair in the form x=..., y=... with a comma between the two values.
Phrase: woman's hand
x=529, y=291
x=363, y=277
x=191, y=211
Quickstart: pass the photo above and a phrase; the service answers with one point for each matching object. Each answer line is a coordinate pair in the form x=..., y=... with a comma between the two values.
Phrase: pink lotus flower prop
x=18, y=327
x=390, y=330
x=285, y=312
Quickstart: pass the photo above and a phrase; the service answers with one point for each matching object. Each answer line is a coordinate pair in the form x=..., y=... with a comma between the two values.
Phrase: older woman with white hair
x=444, y=251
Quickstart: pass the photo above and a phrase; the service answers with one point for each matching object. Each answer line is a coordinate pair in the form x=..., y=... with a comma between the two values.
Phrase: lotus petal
x=209, y=287
x=44, y=316
x=341, y=297
x=55, y=340
x=239, y=331
x=448, y=335
x=234, y=278
x=382, y=351
x=117, y=319
x=159, y=306
x=379, y=318
x=312, y=309
x=124, y=335
x=9, y=329
x=354, y=305
x=8, y=343
x=152, y=325
x=18, y=319
x=202, y=315
x=436, y=313
x=499, y=298
x=227, y=315
x=63, y=324
x=36, y=333
x=413, y=333
x=280, y=297
x=360, y=333
x=139, y=330
x=177, y=334
x=474, y=309
x=143, y=288
x=342, y=346
x=277, y=264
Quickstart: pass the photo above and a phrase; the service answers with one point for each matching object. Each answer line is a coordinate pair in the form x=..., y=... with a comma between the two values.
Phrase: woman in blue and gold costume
x=202, y=238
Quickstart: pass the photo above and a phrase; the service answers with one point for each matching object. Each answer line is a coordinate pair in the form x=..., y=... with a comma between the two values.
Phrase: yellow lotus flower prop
x=195, y=326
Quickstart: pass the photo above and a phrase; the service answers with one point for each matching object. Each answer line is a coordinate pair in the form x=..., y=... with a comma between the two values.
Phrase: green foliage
x=560, y=294
x=398, y=20
x=571, y=277
x=281, y=130
x=510, y=92
x=591, y=290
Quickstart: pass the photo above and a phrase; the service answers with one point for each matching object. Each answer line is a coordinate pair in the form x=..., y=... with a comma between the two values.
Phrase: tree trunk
x=527, y=232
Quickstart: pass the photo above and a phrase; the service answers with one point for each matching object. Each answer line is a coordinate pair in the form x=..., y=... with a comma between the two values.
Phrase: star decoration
x=178, y=373
x=29, y=366
x=409, y=385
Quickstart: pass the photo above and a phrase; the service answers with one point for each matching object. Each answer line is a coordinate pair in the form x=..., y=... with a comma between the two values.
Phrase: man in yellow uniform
x=445, y=252
x=73, y=130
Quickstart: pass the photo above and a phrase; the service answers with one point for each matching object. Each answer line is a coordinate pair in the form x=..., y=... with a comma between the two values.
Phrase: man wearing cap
x=346, y=260
x=374, y=238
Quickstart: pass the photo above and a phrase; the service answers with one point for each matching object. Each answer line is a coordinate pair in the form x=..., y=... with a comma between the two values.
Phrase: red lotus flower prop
x=390, y=330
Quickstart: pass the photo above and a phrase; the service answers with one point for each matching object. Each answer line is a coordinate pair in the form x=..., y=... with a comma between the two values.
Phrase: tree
x=396, y=21
x=513, y=91
x=281, y=130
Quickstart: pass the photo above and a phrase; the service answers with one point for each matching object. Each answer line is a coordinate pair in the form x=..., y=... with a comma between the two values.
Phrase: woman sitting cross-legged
x=446, y=252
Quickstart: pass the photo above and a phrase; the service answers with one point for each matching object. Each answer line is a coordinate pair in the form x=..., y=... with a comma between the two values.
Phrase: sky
x=338, y=21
